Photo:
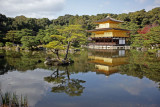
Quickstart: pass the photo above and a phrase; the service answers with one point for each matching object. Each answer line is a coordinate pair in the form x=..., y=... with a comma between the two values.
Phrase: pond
x=99, y=78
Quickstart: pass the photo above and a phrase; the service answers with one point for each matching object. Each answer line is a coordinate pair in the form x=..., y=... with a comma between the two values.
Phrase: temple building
x=109, y=35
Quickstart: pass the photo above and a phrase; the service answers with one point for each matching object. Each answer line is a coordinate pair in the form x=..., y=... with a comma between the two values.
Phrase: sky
x=54, y=8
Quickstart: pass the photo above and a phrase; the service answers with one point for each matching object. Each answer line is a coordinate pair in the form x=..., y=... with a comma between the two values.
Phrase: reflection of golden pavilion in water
x=107, y=61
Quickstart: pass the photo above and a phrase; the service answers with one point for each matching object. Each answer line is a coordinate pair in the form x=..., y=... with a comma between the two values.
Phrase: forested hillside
x=37, y=31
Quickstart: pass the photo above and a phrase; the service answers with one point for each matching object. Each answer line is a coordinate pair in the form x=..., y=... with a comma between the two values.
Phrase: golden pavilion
x=109, y=35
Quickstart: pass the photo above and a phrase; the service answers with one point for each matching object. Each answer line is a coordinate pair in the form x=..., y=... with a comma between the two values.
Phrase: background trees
x=29, y=42
x=153, y=37
x=43, y=28
x=12, y=36
x=149, y=37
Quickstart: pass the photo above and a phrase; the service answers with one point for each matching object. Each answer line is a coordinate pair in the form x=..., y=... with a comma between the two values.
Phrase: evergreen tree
x=69, y=35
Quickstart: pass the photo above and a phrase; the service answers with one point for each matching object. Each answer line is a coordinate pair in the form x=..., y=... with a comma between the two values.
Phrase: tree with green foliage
x=5, y=24
x=11, y=36
x=57, y=44
x=153, y=37
x=15, y=36
x=40, y=36
x=43, y=23
x=43, y=36
x=1, y=44
x=137, y=40
x=19, y=22
x=69, y=36
x=26, y=32
x=29, y=42
x=73, y=34
x=9, y=44
x=1, y=37
x=147, y=37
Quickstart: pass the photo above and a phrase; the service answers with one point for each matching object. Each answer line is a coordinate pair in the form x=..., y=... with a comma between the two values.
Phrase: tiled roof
x=105, y=29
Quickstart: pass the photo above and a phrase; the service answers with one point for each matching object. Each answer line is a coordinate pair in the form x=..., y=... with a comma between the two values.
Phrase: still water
x=110, y=78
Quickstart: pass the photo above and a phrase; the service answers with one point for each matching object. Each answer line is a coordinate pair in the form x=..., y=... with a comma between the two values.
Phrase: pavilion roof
x=105, y=29
x=108, y=19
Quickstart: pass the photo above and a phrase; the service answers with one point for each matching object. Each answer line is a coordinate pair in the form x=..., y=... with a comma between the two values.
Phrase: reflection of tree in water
x=21, y=61
x=142, y=65
x=4, y=66
x=63, y=83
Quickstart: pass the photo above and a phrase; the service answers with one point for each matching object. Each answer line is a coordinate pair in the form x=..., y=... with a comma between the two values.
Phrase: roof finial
x=108, y=15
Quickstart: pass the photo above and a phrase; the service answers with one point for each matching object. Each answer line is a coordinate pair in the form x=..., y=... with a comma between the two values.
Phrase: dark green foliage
x=1, y=44
x=22, y=22
x=63, y=20
x=42, y=23
x=5, y=23
x=147, y=39
x=26, y=32
x=153, y=37
x=11, y=36
x=69, y=35
x=139, y=18
x=43, y=36
x=29, y=42
x=10, y=44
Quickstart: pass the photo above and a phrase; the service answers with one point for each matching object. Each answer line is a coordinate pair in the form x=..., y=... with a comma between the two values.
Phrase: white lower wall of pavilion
x=108, y=47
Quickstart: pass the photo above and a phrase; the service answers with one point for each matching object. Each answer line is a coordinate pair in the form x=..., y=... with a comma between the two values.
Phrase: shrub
x=1, y=44
x=9, y=44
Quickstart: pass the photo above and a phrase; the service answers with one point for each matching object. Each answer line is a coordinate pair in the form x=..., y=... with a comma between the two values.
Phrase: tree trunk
x=67, y=50
x=57, y=53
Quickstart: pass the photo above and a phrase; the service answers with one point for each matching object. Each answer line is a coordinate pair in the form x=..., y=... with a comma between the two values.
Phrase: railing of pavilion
x=103, y=44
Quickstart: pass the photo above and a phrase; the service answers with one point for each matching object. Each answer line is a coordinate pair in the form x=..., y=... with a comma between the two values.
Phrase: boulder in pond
x=17, y=48
x=57, y=62
x=50, y=61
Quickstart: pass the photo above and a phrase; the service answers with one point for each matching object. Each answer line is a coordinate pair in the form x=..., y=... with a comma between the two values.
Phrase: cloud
x=127, y=11
x=107, y=3
x=137, y=86
x=104, y=4
x=32, y=8
x=141, y=1
x=30, y=84
x=155, y=4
